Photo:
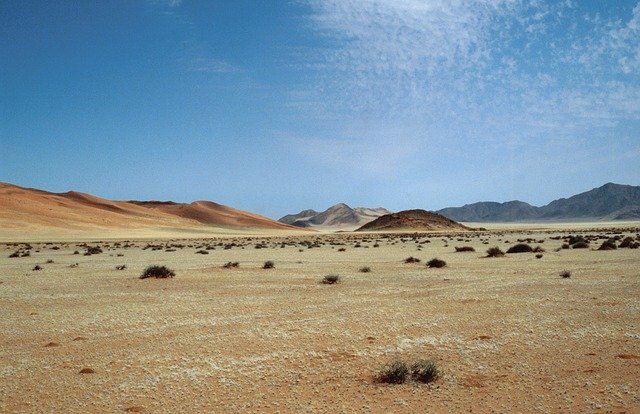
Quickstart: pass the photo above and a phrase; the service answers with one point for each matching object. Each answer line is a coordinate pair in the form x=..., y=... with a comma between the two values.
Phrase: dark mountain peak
x=598, y=203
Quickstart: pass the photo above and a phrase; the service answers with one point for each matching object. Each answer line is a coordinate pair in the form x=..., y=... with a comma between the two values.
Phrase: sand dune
x=28, y=211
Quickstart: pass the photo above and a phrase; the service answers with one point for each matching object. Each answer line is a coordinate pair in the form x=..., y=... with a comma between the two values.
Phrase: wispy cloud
x=509, y=70
x=213, y=65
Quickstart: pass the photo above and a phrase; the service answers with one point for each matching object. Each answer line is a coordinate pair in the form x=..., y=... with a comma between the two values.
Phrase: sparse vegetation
x=539, y=256
x=229, y=265
x=37, y=267
x=412, y=259
x=202, y=252
x=494, y=252
x=14, y=254
x=520, y=248
x=436, y=263
x=93, y=250
x=609, y=244
x=268, y=265
x=395, y=372
x=159, y=272
x=365, y=269
x=398, y=372
x=121, y=267
x=330, y=280
x=424, y=370
x=465, y=249
x=565, y=274
x=580, y=245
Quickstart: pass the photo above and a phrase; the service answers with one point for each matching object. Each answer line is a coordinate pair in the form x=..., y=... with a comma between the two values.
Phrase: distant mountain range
x=609, y=202
x=340, y=215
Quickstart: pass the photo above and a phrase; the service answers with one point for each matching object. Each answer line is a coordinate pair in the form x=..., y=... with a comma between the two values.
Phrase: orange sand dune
x=33, y=210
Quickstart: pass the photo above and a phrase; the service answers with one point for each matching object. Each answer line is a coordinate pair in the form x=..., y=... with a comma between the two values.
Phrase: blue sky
x=278, y=106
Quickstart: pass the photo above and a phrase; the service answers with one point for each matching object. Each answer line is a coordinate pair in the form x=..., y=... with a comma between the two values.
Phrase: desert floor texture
x=508, y=334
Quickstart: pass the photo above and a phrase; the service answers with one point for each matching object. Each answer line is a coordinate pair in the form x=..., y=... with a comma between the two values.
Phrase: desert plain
x=508, y=334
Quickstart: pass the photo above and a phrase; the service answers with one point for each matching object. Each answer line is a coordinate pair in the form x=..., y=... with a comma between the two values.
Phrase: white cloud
x=482, y=63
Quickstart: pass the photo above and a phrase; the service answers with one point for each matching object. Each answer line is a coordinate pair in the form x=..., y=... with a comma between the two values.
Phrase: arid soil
x=508, y=334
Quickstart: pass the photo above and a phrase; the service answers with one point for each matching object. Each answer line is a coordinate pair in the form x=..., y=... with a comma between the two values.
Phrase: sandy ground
x=508, y=334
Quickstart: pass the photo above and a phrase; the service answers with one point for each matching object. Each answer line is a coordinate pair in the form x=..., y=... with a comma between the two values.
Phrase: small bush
x=436, y=263
x=609, y=244
x=565, y=246
x=121, y=267
x=626, y=242
x=93, y=250
x=76, y=252
x=268, y=265
x=202, y=252
x=520, y=248
x=49, y=261
x=330, y=279
x=465, y=249
x=412, y=259
x=565, y=274
x=159, y=272
x=14, y=254
x=74, y=265
x=229, y=265
x=365, y=269
x=494, y=252
x=539, y=256
x=424, y=370
x=37, y=267
x=577, y=239
x=580, y=245
x=395, y=372
x=342, y=249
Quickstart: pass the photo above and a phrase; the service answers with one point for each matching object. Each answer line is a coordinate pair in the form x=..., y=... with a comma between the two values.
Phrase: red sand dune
x=31, y=208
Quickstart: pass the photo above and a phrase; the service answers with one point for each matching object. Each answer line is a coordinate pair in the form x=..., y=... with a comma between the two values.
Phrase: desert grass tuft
x=330, y=279
x=159, y=272
x=269, y=265
x=494, y=252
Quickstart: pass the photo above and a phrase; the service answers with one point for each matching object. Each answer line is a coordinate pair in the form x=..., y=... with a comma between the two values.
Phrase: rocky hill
x=609, y=202
x=412, y=220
